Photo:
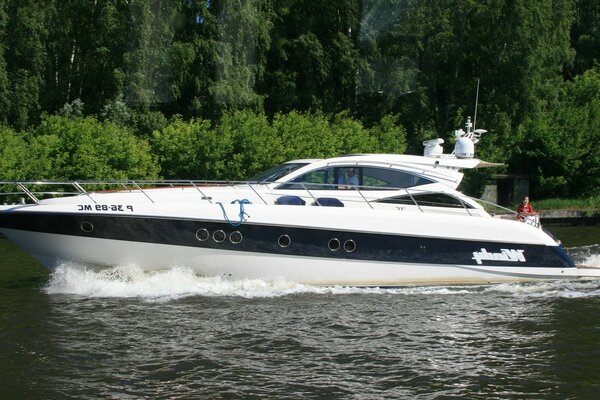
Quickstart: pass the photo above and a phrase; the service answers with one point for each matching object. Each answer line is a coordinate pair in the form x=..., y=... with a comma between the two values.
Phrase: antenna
x=476, y=100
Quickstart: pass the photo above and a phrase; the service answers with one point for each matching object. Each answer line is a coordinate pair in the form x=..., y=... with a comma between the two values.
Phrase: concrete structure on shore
x=506, y=189
x=586, y=216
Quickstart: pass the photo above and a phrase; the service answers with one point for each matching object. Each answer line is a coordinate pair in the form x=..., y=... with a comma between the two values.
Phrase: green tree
x=72, y=109
x=240, y=62
x=4, y=82
x=585, y=36
x=389, y=47
x=146, y=123
x=86, y=45
x=84, y=148
x=25, y=55
x=191, y=150
x=583, y=108
x=558, y=146
x=13, y=155
x=306, y=135
x=313, y=60
x=255, y=144
x=147, y=65
x=352, y=135
x=195, y=52
x=389, y=135
x=117, y=111
x=517, y=48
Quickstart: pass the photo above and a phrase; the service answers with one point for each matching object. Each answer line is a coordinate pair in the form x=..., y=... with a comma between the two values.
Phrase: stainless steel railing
x=16, y=192
x=38, y=190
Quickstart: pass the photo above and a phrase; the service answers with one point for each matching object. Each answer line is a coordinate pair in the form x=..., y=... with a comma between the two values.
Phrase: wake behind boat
x=364, y=220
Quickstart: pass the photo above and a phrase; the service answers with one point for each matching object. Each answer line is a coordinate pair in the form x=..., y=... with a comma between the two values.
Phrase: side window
x=390, y=178
x=427, y=199
x=313, y=180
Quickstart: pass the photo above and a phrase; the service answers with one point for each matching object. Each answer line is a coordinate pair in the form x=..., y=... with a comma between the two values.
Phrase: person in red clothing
x=525, y=209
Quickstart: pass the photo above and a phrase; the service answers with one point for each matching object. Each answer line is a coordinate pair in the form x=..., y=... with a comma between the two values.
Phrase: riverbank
x=586, y=216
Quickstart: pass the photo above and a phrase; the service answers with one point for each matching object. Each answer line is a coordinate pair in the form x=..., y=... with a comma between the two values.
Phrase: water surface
x=125, y=334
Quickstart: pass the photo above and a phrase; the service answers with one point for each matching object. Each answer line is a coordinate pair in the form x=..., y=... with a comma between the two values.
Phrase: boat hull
x=296, y=252
x=53, y=250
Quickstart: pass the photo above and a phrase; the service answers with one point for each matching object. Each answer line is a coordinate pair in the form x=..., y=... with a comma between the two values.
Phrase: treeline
x=243, y=144
x=215, y=88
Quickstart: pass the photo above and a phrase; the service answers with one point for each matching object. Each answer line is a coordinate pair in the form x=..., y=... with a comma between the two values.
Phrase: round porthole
x=86, y=226
x=219, y=236
x=202, y=234
x=349, y=246
x=235, y=237
x=284, y=241
x=334, y=244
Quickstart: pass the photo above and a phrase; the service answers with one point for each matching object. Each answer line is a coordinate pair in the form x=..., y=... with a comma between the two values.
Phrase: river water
x=172, y=335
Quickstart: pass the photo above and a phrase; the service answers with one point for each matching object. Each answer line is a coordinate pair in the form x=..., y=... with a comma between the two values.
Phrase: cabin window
x=323, y=178
x=275, y=173
x=372, y=178
x=391, y=178
x=428, y=200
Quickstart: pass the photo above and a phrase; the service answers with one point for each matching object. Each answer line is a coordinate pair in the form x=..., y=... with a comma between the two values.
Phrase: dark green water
x=124, y=334
x=576, y=236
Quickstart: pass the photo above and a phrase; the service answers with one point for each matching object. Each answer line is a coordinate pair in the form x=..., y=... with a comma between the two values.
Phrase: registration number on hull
x=105, y=207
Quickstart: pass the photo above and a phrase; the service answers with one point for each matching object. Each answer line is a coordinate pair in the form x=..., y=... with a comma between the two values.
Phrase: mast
x=476, y=100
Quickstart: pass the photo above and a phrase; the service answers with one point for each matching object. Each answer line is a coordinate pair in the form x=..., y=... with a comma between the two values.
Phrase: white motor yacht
x=362, y=220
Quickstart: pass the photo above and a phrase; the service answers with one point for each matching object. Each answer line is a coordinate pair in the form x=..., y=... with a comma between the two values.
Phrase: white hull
x=52, y=250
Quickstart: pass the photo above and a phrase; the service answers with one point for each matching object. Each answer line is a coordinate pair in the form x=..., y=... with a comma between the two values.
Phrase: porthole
x=349, y=246
x=202, y=234
x=235, y=237
x=87, y=227
x=219, y=236
x=334, y=244
x=284, y=241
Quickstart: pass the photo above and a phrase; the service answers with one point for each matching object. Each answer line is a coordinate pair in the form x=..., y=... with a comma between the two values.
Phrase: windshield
x=371, y=178
x=277, y=172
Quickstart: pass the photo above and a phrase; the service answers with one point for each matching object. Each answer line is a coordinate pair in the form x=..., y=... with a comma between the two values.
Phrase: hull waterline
x=53, y=250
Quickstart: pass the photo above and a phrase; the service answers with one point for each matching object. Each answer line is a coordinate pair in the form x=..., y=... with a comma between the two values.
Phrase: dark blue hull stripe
x=293, y=241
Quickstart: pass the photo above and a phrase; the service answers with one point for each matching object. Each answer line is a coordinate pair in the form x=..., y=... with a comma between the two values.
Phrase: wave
x=550, y=289
x=586, y=255
x=129, y=281
x=174, y=283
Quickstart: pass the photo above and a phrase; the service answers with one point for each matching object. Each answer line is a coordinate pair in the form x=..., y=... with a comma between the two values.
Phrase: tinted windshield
x=277, y=172
x=372, y=178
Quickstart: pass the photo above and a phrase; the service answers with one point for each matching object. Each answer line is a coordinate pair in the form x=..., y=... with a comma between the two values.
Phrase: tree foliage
x=25, y=36
x=187, y=150
x=84, y=148
x=13, y=155
x=245, y=143
x=223, y=88
x=560, y=144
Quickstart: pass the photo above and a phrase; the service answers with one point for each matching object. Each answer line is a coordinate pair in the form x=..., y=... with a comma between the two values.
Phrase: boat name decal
x=105, y=207
x=509, y=255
